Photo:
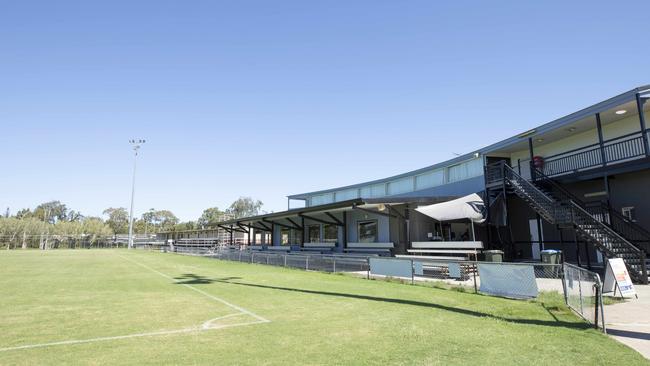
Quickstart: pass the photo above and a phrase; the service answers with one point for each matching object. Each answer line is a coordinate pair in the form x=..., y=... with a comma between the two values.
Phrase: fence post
x=412, y=272
x=285, y=260
x=333, y=265
x=596, y=300
x=582, y=311
x=307, y=264
x=368, y=268
x=475, y=270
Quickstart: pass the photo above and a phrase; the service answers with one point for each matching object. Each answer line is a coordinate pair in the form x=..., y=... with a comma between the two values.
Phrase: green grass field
x=145, y=308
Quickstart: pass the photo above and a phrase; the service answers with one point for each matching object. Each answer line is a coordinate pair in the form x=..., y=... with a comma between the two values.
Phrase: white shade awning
x=470, y=207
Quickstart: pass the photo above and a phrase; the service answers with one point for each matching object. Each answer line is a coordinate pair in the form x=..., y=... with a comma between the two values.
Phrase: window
x=400, y=186
x=330, y=233
x=375, y=190
x=284, y=236
x=468, y=169
x=314, y=233
x=322, y=199
x=296, y=236
x=629, y=213
x=428, y=180
x=367, y=231
x=347, y=194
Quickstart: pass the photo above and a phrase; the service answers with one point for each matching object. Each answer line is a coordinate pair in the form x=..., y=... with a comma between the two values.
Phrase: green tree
x=51, y=212
x=187, y=225
x=24, y=213
x=118, y=219
x=245, y=207
x=210, y=216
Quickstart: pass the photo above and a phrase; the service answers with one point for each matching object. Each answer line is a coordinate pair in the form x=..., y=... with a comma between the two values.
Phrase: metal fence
x=305, y=261
x=583, y=294
x=59, y=241
x=581, y=288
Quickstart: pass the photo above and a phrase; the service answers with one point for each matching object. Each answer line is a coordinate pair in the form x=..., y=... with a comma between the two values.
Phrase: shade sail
x=470, y=207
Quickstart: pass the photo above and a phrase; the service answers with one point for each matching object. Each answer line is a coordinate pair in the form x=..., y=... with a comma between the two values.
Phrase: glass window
x=314, y=233
x=401, y=186
x=330, y=233
x=429, y=180
x=296, y=236
x=375, y=190
x=285, y=236
x=322, y=199
x=367, y=231
x=468, y=169
x=347, y=194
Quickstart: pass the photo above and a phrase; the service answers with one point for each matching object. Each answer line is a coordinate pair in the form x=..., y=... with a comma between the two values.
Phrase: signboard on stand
x=617, y=277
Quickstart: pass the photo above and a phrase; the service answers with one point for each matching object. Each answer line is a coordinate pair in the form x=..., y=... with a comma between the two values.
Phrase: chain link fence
x=581, y=288
x=583, y=294
x=305, y=261
x=59, y=241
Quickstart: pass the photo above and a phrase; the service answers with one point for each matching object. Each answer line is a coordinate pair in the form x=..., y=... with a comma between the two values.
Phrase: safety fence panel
x=583, y=294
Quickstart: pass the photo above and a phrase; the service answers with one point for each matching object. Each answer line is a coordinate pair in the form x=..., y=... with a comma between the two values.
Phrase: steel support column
x=601, y=143
x=639, y=105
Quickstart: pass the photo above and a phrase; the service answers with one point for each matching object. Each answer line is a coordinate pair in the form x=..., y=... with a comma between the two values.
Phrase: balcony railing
x=620, y=149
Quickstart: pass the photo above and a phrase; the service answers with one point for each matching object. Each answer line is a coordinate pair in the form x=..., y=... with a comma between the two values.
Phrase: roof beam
x=231, y=229
x=339, y=222
x=255, y=227
x=280, y=224
x=297, y=227
x=320, y=220
x=372, y=211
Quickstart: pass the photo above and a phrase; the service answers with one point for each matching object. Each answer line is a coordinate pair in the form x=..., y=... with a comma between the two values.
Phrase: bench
x=279, y=248
x=370, y=248
x=458, y=250
x=442, y=267
x=326, y=247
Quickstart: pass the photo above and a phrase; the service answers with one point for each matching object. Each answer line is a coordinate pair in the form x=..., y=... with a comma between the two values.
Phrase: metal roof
x=555, y=124
x=322, y=208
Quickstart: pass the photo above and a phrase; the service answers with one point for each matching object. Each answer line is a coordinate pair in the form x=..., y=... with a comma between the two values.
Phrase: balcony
x=614, y=151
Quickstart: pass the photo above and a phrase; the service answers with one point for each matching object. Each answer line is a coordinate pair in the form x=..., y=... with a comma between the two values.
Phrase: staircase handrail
x=571, y=197
x=606, y=228
x=519, y=178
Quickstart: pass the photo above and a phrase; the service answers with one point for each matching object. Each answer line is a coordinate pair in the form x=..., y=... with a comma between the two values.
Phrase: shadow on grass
x=551, y=323
x=194, y=279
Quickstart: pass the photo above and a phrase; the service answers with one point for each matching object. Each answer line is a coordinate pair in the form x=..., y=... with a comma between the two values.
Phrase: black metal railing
x=632, y=232
x=561, y=207
x=615, y=150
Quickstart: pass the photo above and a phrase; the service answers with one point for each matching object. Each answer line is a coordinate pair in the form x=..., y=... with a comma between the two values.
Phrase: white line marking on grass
x=136, y=335
x=239, y=308
x=207, y=325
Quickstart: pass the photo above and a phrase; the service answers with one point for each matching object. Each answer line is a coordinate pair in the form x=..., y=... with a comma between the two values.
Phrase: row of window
x=469, y=169
x=367, y=232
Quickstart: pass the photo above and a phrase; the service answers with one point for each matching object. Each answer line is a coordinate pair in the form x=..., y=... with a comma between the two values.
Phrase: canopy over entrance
x=470, y=207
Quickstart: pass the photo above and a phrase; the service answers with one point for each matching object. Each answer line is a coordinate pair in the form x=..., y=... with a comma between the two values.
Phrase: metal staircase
x=559, y=207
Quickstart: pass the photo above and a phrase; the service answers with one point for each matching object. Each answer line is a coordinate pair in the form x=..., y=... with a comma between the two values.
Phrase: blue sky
x=270, y=98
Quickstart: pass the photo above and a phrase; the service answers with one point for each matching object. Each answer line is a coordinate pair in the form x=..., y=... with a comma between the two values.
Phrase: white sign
x=616, y=275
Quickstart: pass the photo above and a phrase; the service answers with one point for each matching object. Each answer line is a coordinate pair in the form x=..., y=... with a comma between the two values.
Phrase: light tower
x=136, y=143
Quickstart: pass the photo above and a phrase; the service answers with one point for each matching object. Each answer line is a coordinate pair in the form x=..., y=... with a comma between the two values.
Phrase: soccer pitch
x=136, y=307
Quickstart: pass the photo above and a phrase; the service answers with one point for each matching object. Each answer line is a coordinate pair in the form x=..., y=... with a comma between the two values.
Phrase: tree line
x=53, y=223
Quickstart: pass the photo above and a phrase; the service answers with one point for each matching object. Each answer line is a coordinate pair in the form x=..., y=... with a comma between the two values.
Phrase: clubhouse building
x=579, y=184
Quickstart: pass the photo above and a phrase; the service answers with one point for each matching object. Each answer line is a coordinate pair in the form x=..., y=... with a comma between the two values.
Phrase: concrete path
x=629, y=322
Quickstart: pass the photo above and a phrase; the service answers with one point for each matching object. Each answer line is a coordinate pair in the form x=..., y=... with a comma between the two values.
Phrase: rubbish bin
x=493, y=255
x=551, y=256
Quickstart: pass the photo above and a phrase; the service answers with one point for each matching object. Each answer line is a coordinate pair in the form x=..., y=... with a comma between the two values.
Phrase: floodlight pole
x=136, y=143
